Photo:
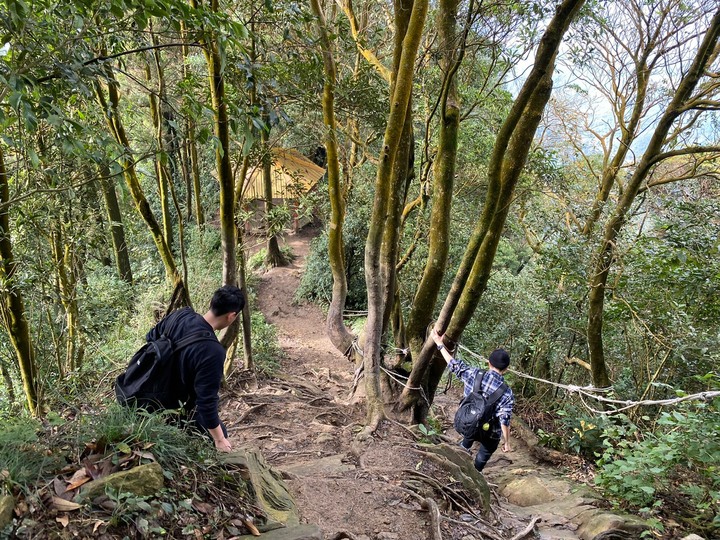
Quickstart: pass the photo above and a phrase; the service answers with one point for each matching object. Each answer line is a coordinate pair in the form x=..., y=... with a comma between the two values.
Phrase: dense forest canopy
x=541, y=176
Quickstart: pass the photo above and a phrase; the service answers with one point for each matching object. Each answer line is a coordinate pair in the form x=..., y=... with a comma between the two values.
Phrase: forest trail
x=305, y=425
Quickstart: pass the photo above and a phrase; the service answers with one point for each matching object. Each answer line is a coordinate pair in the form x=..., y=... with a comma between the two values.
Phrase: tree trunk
x=338, y=333
x=112, y=114
x=192, y=152
x=7, y=379
x=400, y=97
x=273, y=255
x=510, y=151
x=117, y=231
x=606, y=252
x=67, y=291
x=423, y=305
x=161, y=171
x=13, y=313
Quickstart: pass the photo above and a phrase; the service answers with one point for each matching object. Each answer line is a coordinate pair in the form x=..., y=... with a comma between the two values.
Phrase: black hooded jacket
x=199, y=366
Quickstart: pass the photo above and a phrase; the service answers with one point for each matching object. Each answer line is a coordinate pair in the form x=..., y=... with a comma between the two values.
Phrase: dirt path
x=304, y=424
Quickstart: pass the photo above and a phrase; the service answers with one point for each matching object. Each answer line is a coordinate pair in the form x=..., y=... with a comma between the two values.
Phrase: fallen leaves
x=63, y=505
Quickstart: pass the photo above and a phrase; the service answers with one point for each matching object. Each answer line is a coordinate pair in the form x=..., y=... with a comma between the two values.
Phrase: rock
x=299, y=532
x=693, y=537
x=144, y=480
x=528, y=491
x=598, y=524
x=7, y=505
x=266, y=486
x=387, y=536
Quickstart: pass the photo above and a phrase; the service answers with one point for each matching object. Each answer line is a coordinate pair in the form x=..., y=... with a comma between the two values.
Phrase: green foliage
x=584, y=432
x=316, y=283
x=123, y=427
x=265, y=347
x=647, y=469
x=25, y=457
x=278, y=219
x=431, y=430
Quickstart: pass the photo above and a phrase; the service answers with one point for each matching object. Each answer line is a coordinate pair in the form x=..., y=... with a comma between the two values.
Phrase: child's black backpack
x=476, y=412
x=149, y=382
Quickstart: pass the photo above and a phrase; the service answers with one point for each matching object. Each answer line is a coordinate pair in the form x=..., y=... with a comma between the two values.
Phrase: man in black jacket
x=200, y=364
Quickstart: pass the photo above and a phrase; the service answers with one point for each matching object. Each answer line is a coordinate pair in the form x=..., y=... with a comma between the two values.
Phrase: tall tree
x=111, y=106
x=117, y=231
x=377, y=274
x=692, y=97
x=13, y=305
x=214, y=53
x=338, y=333
x=509, y=154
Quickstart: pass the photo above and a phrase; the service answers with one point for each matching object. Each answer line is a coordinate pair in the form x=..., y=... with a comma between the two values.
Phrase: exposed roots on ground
x=432, y=508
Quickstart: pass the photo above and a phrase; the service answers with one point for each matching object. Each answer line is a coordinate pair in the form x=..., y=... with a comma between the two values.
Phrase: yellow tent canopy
x=292, y=175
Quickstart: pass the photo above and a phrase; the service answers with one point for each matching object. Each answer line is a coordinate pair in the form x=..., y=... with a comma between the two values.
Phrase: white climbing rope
x=587, y=391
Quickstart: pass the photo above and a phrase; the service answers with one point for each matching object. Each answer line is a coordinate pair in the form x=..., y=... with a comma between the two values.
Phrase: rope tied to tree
x=587, y=391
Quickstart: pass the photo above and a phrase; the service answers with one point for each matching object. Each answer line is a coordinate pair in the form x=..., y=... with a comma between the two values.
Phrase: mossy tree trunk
x=682, y=101
x=212, y=49
x=338, y=333
x=111, y=109
x=157, y=99
x=117, y=231
x=423, y=305
x=510, y=151
x=13, y=306
x=401, y=91
x=63, y=256
x=193, y=183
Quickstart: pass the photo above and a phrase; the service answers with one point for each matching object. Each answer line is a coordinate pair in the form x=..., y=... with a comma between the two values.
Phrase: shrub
x=265, y=347
x=682, y=455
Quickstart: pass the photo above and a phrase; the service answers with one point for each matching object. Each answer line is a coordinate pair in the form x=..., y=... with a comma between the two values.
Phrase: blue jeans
x=488, y=445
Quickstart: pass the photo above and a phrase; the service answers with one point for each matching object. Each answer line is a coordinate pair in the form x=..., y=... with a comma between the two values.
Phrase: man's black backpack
x=150, y=380
x=476, y=412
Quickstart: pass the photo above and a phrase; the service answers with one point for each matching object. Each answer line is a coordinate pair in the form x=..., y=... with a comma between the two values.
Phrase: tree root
x=527, y=530
x=431, y=506
x=449, y=495
x=249, y=412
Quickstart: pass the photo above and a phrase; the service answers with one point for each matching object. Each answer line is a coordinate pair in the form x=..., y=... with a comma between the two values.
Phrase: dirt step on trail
x=304, y=424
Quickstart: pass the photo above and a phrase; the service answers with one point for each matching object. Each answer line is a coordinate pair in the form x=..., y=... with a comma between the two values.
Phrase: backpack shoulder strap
x=477, y=385
x=202, y=335
x=497, y=394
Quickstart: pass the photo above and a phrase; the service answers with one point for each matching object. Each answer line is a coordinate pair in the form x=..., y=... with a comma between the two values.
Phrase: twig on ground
x=450, y=495
x=431, y=506
x=334, y=412
x=527, y=530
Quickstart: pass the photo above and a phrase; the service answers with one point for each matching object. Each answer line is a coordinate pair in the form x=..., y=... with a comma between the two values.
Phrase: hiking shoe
x=461, y=445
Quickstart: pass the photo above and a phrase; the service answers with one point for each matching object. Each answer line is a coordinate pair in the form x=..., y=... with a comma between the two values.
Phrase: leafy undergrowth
x=45, y=466
x=663, y=468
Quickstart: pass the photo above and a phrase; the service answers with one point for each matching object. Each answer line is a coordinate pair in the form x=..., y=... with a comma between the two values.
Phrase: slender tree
x=509, y=154
x=690, y=99
x=376, y=276
x=117, y=129
x=338, y=333
x=13, y=305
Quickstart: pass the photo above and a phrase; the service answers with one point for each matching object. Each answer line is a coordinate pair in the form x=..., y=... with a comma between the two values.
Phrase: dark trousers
x=488, y=445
